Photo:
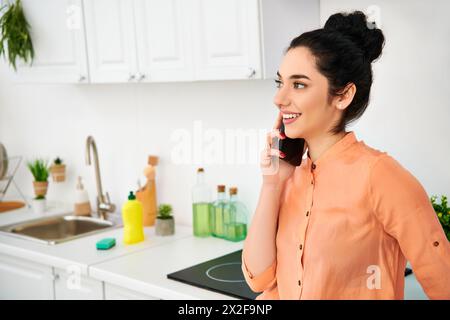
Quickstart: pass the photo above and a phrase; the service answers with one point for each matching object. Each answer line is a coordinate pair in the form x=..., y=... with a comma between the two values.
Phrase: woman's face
x=303, y=95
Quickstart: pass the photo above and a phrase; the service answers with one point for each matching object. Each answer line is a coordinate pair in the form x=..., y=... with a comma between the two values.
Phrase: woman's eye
x=278, y=83
x=298, y=85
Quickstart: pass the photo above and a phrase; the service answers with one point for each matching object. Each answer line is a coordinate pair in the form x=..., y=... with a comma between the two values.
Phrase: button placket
x=304, y=231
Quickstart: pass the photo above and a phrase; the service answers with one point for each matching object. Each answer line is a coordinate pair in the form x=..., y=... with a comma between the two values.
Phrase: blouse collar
x=348, y=140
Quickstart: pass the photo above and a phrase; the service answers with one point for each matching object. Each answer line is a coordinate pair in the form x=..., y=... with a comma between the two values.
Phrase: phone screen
x=292, y=148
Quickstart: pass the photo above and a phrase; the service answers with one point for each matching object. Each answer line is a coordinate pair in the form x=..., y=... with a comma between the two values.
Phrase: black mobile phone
x=292, y=148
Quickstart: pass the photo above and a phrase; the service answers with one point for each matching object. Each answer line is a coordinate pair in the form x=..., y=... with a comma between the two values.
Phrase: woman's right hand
x=275, y=171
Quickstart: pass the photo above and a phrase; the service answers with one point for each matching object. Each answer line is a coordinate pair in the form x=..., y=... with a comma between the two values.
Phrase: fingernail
x=282, y=154
x=282, y=135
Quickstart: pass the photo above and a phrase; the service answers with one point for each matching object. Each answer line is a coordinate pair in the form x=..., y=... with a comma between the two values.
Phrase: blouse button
x=299, y=283
x=307, y=213
x=313, y=166
x=436, y=243
x=300, y=247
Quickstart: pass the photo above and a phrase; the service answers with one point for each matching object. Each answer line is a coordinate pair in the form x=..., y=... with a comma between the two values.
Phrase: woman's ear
x=343, y=100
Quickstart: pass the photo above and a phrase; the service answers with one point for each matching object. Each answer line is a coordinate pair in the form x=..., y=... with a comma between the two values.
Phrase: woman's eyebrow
x=294, y=76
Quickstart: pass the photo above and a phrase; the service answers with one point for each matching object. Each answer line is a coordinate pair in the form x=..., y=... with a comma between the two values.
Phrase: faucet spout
x=104, y=205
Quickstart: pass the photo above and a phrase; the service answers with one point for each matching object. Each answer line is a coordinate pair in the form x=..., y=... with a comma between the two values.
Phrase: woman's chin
x=293, y=134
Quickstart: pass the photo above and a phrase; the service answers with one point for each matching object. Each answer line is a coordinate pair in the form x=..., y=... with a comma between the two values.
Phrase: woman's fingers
x=278, y=121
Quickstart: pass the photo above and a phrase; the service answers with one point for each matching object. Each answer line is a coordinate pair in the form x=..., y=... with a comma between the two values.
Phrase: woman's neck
x=319, y=144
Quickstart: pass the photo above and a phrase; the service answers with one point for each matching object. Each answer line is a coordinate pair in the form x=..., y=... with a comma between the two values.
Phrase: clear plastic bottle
x=235, y=219
x=201, y=202
x=217, y=213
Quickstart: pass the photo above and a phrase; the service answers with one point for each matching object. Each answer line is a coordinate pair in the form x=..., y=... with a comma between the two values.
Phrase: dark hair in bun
x=344, y=50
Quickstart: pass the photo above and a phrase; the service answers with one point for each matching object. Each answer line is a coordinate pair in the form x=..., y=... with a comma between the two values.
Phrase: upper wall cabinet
x=162, y=40
x=57, y=30
x=111, y=40
x=226, y=41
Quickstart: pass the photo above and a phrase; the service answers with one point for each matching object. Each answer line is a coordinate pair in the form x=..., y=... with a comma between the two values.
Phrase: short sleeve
x=402, y=206
x=262, y=281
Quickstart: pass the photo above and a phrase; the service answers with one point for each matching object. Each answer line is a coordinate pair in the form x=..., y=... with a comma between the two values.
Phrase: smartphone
x=292, y=148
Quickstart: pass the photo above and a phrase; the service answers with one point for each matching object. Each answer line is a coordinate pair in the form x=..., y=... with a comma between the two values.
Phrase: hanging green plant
x=15, y=39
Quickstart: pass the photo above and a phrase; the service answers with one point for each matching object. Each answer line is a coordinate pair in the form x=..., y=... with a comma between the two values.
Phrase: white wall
x=408, y=116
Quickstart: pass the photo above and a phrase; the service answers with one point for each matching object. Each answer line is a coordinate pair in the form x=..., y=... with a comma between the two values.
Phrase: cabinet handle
x=141, y=76
x=251, y=73
x=131, y=77
x=56, y=277
x=81, y=78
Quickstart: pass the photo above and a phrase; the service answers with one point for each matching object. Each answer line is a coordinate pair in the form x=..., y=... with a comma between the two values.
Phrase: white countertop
x=146, y=271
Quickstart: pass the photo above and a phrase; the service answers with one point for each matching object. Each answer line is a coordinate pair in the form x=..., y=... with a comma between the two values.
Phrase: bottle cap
x=233, y=190
x=153, y=160
x=200, y=170
x=221, y=188
x=131, y=196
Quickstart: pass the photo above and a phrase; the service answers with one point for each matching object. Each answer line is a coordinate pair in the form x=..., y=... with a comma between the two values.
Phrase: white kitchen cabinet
x=164, y=40
x=71, y=285
x=226, y=39
x=22, y=280
x=113, y=292
x=57, y=32
x=111, y=40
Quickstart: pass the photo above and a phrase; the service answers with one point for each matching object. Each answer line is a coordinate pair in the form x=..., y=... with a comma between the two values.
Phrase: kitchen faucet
x=104, y=205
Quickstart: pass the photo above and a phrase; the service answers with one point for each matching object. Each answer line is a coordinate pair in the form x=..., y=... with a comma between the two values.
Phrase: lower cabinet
x=24, y=280
x=71, y=285
x=113, y=292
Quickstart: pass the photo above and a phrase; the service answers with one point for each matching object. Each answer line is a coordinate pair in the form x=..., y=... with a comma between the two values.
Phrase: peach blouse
x=346, y=227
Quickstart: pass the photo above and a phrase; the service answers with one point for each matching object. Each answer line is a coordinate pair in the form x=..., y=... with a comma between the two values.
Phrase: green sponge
x=106, y=243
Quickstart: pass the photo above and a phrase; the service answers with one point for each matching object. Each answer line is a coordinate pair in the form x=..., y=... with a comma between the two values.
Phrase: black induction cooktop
x=223, y=275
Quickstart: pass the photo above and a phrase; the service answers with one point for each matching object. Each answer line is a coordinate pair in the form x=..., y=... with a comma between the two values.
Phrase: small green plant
x=165, y=211
x=39, y=197
x=58, y=161
x=443, y=213
x=39, y=169
x=15, y=39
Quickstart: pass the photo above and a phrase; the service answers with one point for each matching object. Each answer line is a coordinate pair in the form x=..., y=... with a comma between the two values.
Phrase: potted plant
x=443, y=213
x=40, y=171
x=39, y=204
x=58, y=170
x=15, y=39
x=165, y=222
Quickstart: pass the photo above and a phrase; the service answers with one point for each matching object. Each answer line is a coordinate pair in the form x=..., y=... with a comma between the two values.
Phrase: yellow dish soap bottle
x=133, y=230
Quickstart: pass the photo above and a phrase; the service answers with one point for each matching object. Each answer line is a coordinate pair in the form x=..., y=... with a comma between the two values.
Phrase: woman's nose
x=281, y=98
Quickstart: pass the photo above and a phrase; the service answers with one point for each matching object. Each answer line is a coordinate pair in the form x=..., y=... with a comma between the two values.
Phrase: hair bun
x=355, y=26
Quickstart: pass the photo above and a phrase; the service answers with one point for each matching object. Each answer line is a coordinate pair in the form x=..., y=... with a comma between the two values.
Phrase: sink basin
x=57, y=229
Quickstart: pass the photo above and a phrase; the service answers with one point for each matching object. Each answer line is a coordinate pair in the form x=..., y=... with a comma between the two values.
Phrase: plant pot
x=165, y=227
x=40, y=188
x=39, y=206
x=58, y=172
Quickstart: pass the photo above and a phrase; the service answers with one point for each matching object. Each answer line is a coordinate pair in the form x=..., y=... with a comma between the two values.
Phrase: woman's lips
x=290, y=117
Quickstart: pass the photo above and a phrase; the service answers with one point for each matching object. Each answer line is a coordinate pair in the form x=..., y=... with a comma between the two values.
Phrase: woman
x=343, y=224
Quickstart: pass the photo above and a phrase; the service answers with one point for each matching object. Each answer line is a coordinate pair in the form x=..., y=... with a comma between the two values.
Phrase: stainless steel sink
x=57, y=229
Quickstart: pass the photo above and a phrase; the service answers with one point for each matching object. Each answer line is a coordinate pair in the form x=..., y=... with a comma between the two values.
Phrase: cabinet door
x=111, y=40
x=163, y=32
x=113, y=292
x=57, y=32
x=71, y=285
x=226, y=39
x=22, y=280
